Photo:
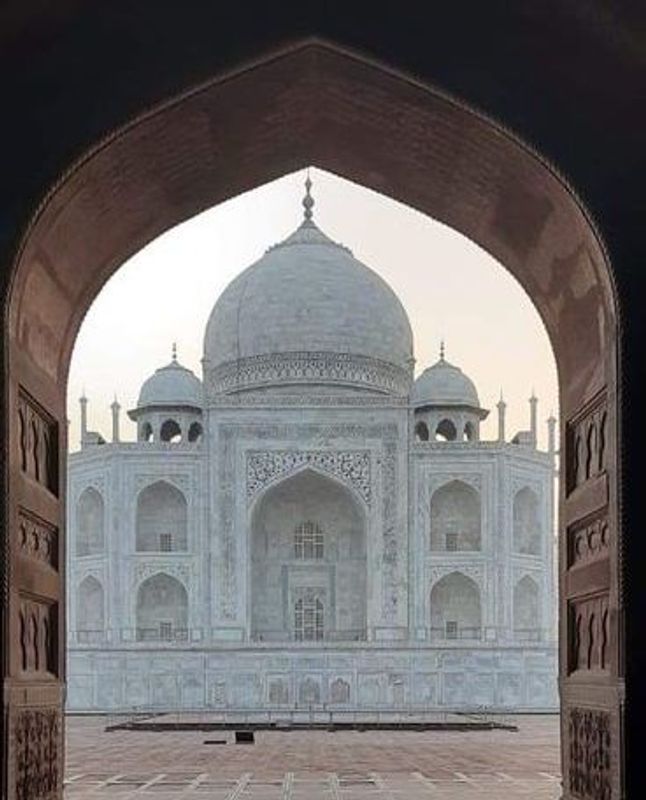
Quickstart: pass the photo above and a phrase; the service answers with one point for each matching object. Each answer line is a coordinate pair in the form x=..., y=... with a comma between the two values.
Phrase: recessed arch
x=527, y=522
x=456, y=517
x=162, y=609
x=90, y=610
x=308, y=565
x=527, y=616
x=430, y=151
x=90, y=515
x=446, y=431
x=170, y=431
x=161, y=518
x=455, y=608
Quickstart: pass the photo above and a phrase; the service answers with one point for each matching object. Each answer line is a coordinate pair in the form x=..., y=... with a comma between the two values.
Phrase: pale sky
x=450, y=287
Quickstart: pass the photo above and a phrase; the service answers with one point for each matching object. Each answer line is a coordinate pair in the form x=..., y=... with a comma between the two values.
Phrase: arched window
x=308, y=540
x=162, y=609
x=195, y=432
x=527, y=526
x=146, y=432
x=455, y=518
x=90, y=612
x=446, y=431
x=469, y=432
x=455, y=608
x=526, y=609
x=89, y=523
x=170, y=431
x=421, y=432
x=309, y=625
x=162, y=519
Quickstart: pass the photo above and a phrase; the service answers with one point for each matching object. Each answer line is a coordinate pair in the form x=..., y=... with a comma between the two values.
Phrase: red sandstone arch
x=315, y=104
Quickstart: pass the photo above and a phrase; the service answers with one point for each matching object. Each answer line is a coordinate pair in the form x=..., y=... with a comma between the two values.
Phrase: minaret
x=533, y=403
x=502, y=407
x=83, y=404
x=551, y=435
x=115, y=420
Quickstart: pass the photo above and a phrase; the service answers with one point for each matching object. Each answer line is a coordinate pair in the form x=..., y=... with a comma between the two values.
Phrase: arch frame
x=186, y=496
x=161, y=569
x=350, y=115
x=367, y=513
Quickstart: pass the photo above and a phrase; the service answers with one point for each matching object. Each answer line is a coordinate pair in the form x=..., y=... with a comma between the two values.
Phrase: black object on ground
x=244, y=737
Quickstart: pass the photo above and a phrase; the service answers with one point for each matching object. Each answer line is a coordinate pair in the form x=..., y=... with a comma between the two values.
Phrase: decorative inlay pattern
x=586, y=438
x=590, y=745
x=588, y=540
x=387, y=433
x=38, y=442
x=37, y=621
x=37, y=539
x=352, y=466
x=589, y=631
x=37, y=754
x=305, y=367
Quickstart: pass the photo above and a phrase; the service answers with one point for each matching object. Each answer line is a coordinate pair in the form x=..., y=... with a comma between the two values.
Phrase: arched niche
x=161, y=609
x=421, y=431
x=527, y=522
x=455, y=608
x=424, y=148
x=90, y=514
x=308, y=555
x=456, y=517
x=90, y=610
x=170, y=431
x=162, y=519
x=446, y=431
x=527, y=612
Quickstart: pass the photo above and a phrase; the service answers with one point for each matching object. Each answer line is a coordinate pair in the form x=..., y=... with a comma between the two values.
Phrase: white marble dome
x=309, y=295
x=172, y=385
x=444, y=384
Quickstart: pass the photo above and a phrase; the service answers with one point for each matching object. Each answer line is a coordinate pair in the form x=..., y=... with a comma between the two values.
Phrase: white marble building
x=309, y=526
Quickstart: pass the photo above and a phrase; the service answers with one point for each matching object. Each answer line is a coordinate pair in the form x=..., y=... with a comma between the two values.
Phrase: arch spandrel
x=361, y=120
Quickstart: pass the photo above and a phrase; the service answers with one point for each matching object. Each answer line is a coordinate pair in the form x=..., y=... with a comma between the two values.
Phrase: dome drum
x=308, y=368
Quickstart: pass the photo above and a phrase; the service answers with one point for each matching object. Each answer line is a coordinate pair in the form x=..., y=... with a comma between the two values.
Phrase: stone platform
x=312, y=765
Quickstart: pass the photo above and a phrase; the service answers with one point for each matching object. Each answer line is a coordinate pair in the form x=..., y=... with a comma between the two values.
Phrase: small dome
x=308, y=294
x=172, y=385
x=444, y=384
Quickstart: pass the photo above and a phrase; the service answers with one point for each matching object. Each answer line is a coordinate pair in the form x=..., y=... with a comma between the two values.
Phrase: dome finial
x=174, y=352
x=442, y=350
x=308, y=200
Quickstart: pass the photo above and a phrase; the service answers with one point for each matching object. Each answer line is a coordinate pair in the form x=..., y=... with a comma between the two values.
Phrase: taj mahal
x=308, y=525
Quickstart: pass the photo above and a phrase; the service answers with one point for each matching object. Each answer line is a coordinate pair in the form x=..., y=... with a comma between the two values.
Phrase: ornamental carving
x=37, y=754
x=588, y=540
x=181, y=482
x=590, y=754
x=322, y=435
x=589, y=633
x=475, y=572
x=586, y=438
x=439, y=479
x=37, y=539
x=37, y=442
x=305, y=367
x=182, y=572
x=38, y=636
x=351, y=466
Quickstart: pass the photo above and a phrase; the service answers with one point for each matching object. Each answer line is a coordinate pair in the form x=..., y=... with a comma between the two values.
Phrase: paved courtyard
x=312, y=765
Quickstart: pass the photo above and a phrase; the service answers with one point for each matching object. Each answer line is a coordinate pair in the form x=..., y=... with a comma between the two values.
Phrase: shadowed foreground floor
x=382, y=765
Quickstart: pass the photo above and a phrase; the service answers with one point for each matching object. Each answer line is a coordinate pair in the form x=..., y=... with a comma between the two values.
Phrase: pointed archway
x=314, y=104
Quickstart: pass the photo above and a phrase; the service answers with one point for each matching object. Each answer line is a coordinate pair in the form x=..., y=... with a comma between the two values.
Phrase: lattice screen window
x=452, y=541
x=451, y=629
x=309, y=619
x=165, y=542
x=166, y=630
x=308, y=540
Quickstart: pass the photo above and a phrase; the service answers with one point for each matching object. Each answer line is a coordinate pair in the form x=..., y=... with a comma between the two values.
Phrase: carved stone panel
x=38, y=630
x=588, y=540
x=37, y=539
x=589, y=768
x=351, y=466
x=38, y=442
x=589, y=633
x=586, y=437
x=36, y=741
